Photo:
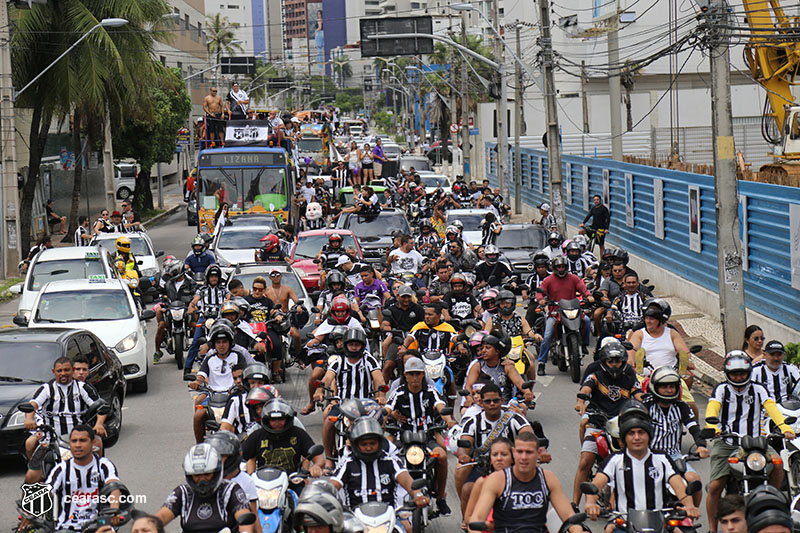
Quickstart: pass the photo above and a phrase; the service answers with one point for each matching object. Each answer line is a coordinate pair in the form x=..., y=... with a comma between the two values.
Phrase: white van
x=125, y=179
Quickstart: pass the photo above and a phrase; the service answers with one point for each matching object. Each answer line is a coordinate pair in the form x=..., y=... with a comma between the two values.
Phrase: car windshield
x=265, y=221
x=308, y=246
x=433, y=181
x=47, y=271
x=309, y=144
x=83, y=306
x=288, y=279
x=139, y=247
x=346, y=194
x=471, y=222
x=28, y=360
x=240, y=239
x=529, y=238
x=380, y=226
x=418, y=164
x=391, y=150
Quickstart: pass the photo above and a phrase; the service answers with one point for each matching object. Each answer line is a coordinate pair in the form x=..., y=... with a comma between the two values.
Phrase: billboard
x=316, y=37
x=334, y=16
x=396, y=47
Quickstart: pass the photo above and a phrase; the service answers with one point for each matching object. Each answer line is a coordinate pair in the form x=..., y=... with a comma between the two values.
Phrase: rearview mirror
x=246, y=519
x=464, y=443
x=419, y=484
x=528, y=384
x=589, y=488
x=463, y=392
x=147, y=314
x=160, y=253
x=447, y=411
x=20, y=321
x=26, y=408
x=315, y=450
x=713, y=420
x=697, y=348
x=694, y=487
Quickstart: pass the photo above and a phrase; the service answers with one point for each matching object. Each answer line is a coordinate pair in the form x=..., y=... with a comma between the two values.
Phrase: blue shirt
x=199, y=263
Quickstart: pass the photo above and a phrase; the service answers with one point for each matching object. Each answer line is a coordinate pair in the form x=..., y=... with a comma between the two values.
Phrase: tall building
x=259, y=25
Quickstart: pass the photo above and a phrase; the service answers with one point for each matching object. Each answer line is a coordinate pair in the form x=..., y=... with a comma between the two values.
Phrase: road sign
x=238, y=65
x=454, y=128
x=183, y=136
x=473, y=131
x=395, y=47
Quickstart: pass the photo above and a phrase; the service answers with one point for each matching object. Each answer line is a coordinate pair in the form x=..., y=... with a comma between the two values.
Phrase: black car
x=375, y=232
x=518, y=243
x=26, y=362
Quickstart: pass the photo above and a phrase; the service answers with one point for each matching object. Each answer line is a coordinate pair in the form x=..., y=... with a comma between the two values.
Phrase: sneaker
x=542, y=370
x=188, y=376
x=157, y=357
x=444, y=509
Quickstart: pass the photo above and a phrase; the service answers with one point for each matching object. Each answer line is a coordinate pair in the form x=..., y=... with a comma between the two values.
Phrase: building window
x=186, y=21
x=163, y=60
x=233, y=6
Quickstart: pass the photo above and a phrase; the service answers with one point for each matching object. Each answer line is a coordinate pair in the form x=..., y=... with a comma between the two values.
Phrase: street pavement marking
x=545, y=380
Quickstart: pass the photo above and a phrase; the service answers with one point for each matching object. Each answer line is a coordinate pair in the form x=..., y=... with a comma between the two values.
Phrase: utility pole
x=502, y=132
x=465, y=105
x=9, y=195
x=553, y=135
x=729, y=253
x=517, y=128
x=453, y=111
x=614, y=88
x=584, y=98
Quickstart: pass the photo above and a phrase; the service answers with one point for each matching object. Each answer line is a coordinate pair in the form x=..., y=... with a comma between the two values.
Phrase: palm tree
x=220, y=37
x=342, y=71
x=106, y=75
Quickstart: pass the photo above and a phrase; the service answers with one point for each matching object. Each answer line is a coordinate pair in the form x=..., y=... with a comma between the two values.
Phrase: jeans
x=193, y=349
x=550, y=332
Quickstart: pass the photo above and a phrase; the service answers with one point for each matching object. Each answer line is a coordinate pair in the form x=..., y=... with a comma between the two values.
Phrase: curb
x=154, y=221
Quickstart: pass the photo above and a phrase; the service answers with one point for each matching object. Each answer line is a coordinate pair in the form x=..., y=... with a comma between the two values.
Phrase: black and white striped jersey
x=668, y=424
x=373, y=481
x=61, y=406
x=237, y=413
x=75, y=490
x=479, y=427
x=740, y=411
x=630, y=306
x=639, y=483
x=354, y=380
x=418, y=408
x=211, y=299
x=779, y=383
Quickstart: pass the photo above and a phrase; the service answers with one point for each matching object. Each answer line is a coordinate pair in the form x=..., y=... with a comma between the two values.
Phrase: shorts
x=475, y=475
x=720, y=451
x=214, y=124
x=601, y=238
x=54, y=220
x=391, y=353
x=589, y=444
x=366, y=166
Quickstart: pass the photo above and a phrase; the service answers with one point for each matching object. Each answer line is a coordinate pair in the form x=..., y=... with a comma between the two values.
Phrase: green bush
x=793, y=352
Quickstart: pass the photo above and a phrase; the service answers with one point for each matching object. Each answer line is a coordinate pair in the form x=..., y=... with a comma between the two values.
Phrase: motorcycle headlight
x=177, y=313
x=209, y=322
x=571, y=313
x=218, y=412
x=383, y=528
x=415, y=455
x=269, y=499
x=128, y=343
x=133, y=283
x=756, y=461
x=434, y=371
x=16, y=420
x=149, y=272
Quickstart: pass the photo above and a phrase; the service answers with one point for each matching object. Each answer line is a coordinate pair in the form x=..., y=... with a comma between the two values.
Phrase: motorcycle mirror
x=420, y=293
x=713, y=420
x=588, y=487
x=528, y=384
x=478, y=526
x=447, y=411
x=419, y=484
x=315, y=450
x=707, y=433
x=463, y=392
x=679, y=465
x=604, y=304
x=627, y=345
x=544, y=442
x=212, y=425
x=694, y=487
x=26, y=408
x=455, y=322
x=20, y=321
x=790, y=420
x=316, y=261
x=104, y=409
x=382, y=388
x=696, y=348
x=645, y=281
x=147, y=314
x=650, y=288
x=597, y=295
x=188, y=377
x=299, y=303
x=246, y=519
x=583, y=396
x=577, y=518
x=464, y=443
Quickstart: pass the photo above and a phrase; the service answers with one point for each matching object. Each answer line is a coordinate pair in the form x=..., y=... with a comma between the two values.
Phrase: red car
x=309, y=244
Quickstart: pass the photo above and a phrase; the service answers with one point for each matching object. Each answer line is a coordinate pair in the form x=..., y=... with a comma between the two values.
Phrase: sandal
x=308, y=409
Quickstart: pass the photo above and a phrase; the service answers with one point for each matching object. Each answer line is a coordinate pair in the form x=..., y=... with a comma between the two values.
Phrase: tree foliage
x=220, y=36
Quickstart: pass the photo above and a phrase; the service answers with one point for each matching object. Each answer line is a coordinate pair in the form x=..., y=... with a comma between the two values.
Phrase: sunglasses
x=275, y=275
x=492, y=400
x=258, y=289
x=103, y=214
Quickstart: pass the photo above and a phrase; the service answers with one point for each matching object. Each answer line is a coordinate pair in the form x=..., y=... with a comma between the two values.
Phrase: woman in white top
x=354, y=162
x=367, y=170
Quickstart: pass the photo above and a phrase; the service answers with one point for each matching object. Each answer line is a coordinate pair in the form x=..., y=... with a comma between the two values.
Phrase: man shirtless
x=215, y=125
x=281, y=294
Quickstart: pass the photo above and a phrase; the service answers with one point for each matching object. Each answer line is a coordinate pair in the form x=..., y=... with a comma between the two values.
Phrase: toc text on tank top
x=522, y=507
x=659, y=351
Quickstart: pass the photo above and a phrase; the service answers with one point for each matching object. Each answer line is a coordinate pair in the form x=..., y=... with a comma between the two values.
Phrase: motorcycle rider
x=629, y=305
x=330, y=253
x=401, y=315
x=608, y=388
x=415, y=405
x=506, y=318
x=230, y=451
x=458, y=303
x=279, y=443
x=207, y=501
x=281, y=295
x=641, y=479
x=440, y=285
x=261, y=309
x=319, y=511
x=462, y=258
x=777, y=376
x=405, y=258
x=335, y=284
x=427, y=242
x=577, y=263
x=124, y=255
x=561, y=285
x=738, y=403
x=234, y=311
x=271, y=250
x=237, y=415
x=432, y=333
x=669, y=415
x=178, y=287
x=494, y=347
x=541, y=269
x=341, y=314
x=370, y=285
x=200, y=259
x=206, y=303
x=553, y=248
x=492, y=271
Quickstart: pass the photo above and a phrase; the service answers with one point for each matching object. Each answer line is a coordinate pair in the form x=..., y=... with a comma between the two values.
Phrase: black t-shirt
x=600, y=217
x=50, y=212
x=285, y=451
x=484, y=271
x=405, y=319
x=208, y=515
x=259, y=307
x=608, y=395
x=271, y=256
x=460, y=305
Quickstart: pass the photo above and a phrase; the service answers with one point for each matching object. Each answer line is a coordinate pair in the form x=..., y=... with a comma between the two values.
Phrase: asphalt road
x=157, y=428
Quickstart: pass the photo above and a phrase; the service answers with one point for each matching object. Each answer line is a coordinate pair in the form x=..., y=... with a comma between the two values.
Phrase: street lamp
x=105, y=23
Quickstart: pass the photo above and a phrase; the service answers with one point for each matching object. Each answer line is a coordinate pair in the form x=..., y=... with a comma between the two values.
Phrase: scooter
x=215, y=407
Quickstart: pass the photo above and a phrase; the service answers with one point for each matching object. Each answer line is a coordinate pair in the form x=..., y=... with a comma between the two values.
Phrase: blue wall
x=259, y=30
x=767, y=281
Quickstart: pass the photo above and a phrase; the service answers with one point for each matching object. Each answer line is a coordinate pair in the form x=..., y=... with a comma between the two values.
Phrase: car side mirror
x=20, y=321
x=160, y=253
x=147, y=314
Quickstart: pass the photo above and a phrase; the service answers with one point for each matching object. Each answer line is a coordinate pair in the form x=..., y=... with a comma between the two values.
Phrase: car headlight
x=571, y=313
x=269, y=499
x=16, y=420
x=128, y=343
x=434, y=371
x=756, y=461
x=383, y=528
x=415, y=455
x=177, y=313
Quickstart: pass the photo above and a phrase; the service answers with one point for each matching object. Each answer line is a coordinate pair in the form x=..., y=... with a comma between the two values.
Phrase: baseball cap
x=774, y=346
x=295, y=119
x=274, y=270
x=116, y=214
x=414, y=364
x=343, y=259
x=545, y=206
x=405, y=290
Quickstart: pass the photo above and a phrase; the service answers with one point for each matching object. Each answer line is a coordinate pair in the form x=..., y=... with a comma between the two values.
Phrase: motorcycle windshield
x=645, y=521
x=569, y=304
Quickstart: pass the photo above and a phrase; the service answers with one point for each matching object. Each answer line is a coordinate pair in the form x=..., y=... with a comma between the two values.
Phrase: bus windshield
x=243, y=188
x=309, y=144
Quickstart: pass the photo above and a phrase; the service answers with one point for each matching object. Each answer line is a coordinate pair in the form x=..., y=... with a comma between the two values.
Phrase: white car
x=69, y=263
x=106, y=308
x=431, y=182
x=141, y=248
x=237, y=244
x=471, y=218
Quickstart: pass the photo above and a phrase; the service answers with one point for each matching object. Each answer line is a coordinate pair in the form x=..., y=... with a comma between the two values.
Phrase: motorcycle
x=790, y=452
x=371, y=309
x=378, y=516
x=566, y=348
x=578, y=518
x=215, y=408
x=523, y=354
x=277, y=495
x=176, y=330
x=605, y=432
x=437, y=370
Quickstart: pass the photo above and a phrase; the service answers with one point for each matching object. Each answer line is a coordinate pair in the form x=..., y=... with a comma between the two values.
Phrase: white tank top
x=659, y=351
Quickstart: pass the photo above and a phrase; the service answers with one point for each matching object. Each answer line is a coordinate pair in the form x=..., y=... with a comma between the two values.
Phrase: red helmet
x=270, y=241
x=456, y=188
x=334, y=238
x=340, y=309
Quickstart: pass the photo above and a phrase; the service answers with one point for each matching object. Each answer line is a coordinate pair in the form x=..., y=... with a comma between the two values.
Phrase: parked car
x=237, y=243
x=375, y=233
x=72, y=262
x=125, y=179
x=309, y=244
x=518, y=242
x=106, y=308
x=142, y=249
x=191, y=211
x=431, y=182
x=391, y=151
x=26, y=362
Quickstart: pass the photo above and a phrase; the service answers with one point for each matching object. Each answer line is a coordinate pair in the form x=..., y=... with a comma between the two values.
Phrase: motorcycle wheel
x=574, y=351
x=562, y=360
x=794, y=473
x=178, y=343
x=417, y=525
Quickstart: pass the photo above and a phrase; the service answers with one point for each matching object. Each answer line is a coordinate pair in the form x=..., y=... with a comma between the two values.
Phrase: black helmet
x=219, y=330
x=426, y=223
x=458, y=277
x=768, y=506
x=227, y=444
x=541, y=258
x=554, y=239
x=657, y=308
x=335, y=277
x=506, y=302
x=337, y=333
x=633, y=407
x=365, y=427
x=491, y=250
x=575, y=248
x=635, y=421
x=661, y=376
x=276, y=409
x=255, y=371
x=558, y=261
x=203, y=459
x=737, y=361
x=620, y=256
x=355, y=335
x=318, y=508
x=613, y=352
x=499, y=340
x=213, y=270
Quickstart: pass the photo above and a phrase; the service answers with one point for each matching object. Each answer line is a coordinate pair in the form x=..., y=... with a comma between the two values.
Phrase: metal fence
x=764, y=210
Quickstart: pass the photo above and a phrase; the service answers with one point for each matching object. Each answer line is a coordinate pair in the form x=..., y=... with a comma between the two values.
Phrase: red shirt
x=563, y=288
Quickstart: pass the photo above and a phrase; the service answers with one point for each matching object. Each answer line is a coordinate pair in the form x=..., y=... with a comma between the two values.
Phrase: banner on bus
x=246, y=133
